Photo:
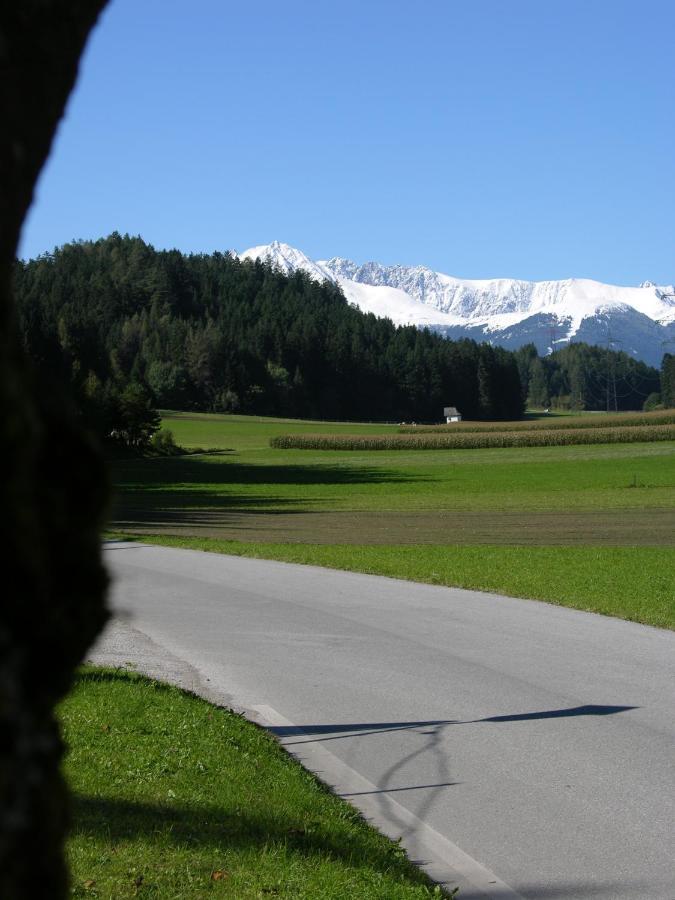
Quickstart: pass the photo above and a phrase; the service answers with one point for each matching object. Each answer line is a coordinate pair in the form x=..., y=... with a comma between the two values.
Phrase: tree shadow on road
x=430, y=747
x=335, y=732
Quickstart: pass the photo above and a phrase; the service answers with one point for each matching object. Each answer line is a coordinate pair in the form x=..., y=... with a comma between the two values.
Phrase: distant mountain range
x=504, y=311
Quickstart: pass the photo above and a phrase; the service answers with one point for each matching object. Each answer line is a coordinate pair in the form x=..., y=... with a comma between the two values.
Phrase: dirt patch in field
x=616, y=528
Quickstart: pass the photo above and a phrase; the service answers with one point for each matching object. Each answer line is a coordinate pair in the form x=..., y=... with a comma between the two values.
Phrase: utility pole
x=611, y=373
x=667, y=388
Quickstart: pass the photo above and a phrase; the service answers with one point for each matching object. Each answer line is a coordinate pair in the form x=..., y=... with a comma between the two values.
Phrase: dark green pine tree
x=538, y=395
x=668, y=380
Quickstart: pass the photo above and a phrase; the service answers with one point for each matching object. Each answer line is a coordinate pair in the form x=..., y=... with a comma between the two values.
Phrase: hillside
x=214, y=332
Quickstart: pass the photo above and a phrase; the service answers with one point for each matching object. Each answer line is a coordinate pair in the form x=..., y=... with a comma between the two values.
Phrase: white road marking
x=443, y=861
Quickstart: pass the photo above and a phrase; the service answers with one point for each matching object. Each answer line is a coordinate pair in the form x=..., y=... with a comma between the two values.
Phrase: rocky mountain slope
x=639, y=320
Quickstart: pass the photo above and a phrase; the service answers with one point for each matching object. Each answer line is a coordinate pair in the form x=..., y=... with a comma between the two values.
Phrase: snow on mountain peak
x=385, y=301
x=503, y=310
x=287, y=258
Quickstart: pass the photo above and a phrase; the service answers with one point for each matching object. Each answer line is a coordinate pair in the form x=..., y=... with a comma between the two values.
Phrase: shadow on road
x=430, y=747
x=569, y=890
x=588, y=710
x=336, y=732
x=411, y=787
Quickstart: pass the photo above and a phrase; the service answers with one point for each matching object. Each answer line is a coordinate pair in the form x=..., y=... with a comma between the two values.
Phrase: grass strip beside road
x=177, y=798
x=634, y=583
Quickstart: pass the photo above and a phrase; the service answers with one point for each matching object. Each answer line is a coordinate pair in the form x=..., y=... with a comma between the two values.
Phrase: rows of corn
x=475, y=440
x=624, y=420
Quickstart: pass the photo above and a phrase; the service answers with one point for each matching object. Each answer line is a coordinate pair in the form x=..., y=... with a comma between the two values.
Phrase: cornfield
x=625, y=420
x=476, y=440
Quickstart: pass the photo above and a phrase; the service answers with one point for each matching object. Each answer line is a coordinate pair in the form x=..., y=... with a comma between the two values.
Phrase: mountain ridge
x=503, y=311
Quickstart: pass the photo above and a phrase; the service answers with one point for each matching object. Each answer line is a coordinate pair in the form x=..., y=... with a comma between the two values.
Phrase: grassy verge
x=176, y=798
x=634, y=583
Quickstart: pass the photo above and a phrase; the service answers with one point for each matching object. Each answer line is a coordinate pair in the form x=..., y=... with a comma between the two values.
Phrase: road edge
x=122, y=645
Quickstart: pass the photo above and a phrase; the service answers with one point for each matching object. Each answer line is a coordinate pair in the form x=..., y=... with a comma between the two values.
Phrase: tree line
x=127, y=327
x=582, y=376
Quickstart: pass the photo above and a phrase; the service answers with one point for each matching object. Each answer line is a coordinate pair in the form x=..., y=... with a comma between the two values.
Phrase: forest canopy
x=212, y=332
x=581, y=376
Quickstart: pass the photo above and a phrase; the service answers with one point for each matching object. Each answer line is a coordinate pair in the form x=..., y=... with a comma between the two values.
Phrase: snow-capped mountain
x=288, y=259
x=639, y=320
x=382, y=300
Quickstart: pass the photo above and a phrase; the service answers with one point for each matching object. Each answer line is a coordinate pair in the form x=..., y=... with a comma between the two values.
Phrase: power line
x=611, y=371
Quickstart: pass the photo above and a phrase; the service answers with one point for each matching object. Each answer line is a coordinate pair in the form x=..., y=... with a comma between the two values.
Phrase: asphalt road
x=520, y=749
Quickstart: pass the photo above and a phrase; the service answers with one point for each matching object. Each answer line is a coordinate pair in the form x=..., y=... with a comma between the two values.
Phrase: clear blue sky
x=520, y=138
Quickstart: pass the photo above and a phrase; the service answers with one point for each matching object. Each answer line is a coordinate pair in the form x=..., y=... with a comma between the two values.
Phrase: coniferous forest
x=581, y=376
x=211, y=332
x=128, y=329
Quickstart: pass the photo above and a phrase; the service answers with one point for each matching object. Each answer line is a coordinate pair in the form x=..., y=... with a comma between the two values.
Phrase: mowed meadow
x=585, y=525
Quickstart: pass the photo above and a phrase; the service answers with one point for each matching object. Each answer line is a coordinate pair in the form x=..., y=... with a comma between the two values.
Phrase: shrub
x=163, y=443
x=138, y=419
x=653, y=402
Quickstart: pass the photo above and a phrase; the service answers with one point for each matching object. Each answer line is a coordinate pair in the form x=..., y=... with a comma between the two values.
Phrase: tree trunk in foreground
x=53, y=484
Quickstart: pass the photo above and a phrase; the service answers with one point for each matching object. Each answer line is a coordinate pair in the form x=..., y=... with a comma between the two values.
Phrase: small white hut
x=452, y=414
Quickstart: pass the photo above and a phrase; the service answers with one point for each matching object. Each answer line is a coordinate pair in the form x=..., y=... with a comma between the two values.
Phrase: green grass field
x=248, y=432
x=587, y=526
x=177, y=799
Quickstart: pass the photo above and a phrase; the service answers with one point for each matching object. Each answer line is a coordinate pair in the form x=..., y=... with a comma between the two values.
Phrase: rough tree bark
x=53, y=490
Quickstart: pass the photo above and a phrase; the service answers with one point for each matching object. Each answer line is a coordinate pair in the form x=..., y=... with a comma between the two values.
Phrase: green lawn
x=251, y=432
x=615, y=476
x=176, y=798
x=587, y=526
